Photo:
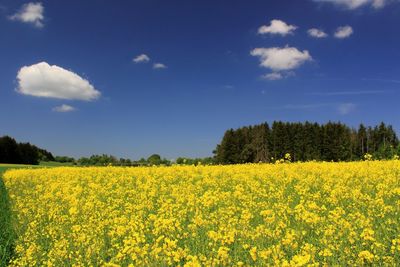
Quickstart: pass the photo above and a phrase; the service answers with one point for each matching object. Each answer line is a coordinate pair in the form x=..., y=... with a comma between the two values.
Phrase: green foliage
x=45, y=155
x=105, y=160
x=154, y=159
x=98, y=160
x=64, y=159
x=306, y=141
x=195, y=161
x=7, y=234
x=21, y=153
x=55, y=164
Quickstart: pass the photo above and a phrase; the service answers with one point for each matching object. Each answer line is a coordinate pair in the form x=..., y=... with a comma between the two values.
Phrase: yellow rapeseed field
x=318, y=214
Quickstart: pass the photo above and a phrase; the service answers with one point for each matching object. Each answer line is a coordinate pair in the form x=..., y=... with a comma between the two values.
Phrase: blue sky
x=69, y=81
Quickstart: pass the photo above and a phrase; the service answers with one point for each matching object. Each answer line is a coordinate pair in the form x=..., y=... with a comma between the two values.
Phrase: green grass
x=6, y=230
x=4, y=167
x=54, y=164
x=7, y=235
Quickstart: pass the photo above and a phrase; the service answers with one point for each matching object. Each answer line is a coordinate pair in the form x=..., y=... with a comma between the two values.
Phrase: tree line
x=105, y=159
x=22, y=153
x=12, y=152
x=333, y=141
x=155, y=159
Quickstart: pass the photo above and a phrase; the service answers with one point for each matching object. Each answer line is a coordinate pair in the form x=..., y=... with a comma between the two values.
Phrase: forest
x=333, y=141
x=21, y=153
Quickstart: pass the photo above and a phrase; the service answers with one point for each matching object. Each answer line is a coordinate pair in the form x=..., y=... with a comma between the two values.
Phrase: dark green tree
x=154, y=159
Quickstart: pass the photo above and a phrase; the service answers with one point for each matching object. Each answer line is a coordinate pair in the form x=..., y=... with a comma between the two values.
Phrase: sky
x=133, y=78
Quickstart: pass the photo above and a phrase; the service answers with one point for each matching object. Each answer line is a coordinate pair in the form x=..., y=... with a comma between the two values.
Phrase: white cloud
x=346, y=108
x=159, y=66
x=340, y=93
x=354, y=4
x=143, y=58
x=64, y=108
x=317, y=33
x=43, y=80
x=379, y=3
x=341, y=108
x=343, y=32
x=30, y=13
x=273, y=76
x=277, y=27
x=382, y=80
x=305, y=106
x=281, y=59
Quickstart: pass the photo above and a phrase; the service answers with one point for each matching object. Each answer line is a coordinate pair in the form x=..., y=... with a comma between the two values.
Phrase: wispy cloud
x=143, y=58
x=382, y=80
x=341, y=108
x=64, y=108
x=354, y=4
x=339, y=93
x=306, y=106
x=159, y=66
x=274, y=76
x=346, y=108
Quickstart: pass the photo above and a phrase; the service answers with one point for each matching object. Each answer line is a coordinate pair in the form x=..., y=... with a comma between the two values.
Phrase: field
x=242, y=215
x=54, y=164
x=6, y=233
x=6, y=230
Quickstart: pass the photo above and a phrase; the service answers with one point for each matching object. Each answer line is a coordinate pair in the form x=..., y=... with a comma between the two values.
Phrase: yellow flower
x=366, y=256
x=251, y=214
x=300, y=260
x=253, y=253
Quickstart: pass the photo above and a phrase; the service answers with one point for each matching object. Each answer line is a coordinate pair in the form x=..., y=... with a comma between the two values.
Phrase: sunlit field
x=243, y=215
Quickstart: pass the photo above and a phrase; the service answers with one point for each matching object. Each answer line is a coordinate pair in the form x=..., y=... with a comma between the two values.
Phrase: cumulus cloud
x=346, y=108
x=43, y=80
x=143, y=58
x=277, y=27
x=317, y=33
x=354, y=4
x=64, y=108
x=281, y=59
x=30, y=13
x=159, y=66
x=343, y=32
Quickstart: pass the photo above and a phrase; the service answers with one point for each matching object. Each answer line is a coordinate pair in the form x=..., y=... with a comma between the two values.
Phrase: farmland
x=238, y=215
x=7, y=234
